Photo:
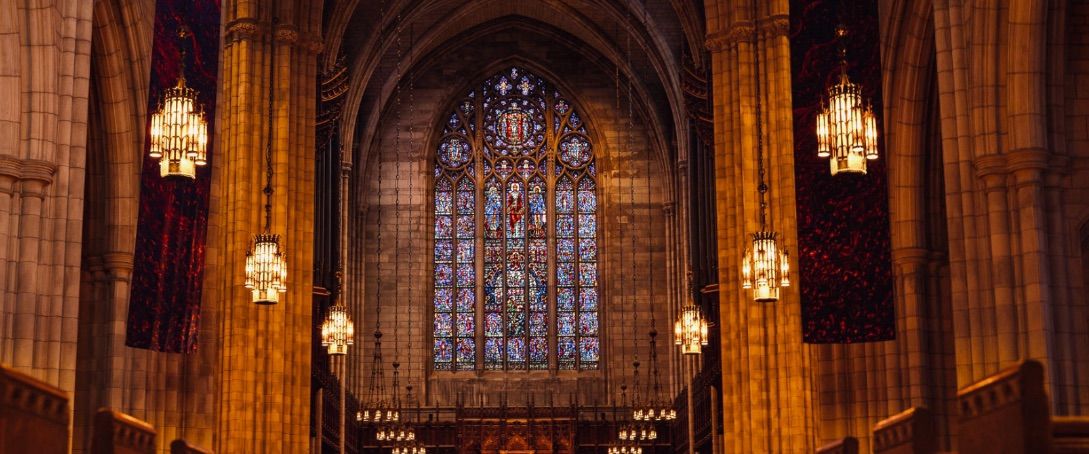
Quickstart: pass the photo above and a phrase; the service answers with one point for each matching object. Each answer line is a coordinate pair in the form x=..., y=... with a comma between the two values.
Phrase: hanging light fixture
x=625, y=449
x=766, y=266
x=266, y=261
x=179, y=130
x=846, y=129
x=338, y=331
x=630, y=433
x=655, y=408
x=690, y=330
x=637, y=431
x=409, y=447
x=395, y=430
x=378, y=409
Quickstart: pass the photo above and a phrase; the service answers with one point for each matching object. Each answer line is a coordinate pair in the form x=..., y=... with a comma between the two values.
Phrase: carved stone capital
x=286, y=33
x=9, y=166
x=741, y=32
x=35, y=177
x=1028, y=165
x=775, y=26
x=34, y=169
x=313, y=46
x=118, y=265
x=717, y=41
x=241, y=30
x=991, y=169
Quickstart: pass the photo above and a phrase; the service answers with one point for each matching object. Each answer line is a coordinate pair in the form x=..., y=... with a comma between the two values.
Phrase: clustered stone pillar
x=263, y=386
x=1008, y=175
x=981, y=128
x=43, y=134
x=767, y=391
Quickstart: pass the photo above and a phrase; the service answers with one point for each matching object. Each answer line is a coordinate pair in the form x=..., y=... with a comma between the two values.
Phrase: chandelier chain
x=397, y=75
x=271, y=119
x=654, y=382
x=762, y=188
x=413, y=149
x=183, y=33
x=631, y=196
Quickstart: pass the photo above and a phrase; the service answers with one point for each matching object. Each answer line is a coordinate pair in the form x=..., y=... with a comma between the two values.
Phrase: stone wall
x=634, y=233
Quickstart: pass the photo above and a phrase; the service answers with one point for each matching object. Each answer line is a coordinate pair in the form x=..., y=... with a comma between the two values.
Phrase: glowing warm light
x=690, y=333
x=378, y=414
x=627, y=449
x=409, y=447
x=266, y=269
x=337, y=331
x=179, y=132
x=846, y=129
x=765, y=268
x=639, y=431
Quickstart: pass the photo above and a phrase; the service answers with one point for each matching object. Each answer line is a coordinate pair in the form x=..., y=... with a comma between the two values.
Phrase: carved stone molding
x=30, y=176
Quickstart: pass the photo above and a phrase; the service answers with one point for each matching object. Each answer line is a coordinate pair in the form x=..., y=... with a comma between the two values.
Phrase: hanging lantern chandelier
x=846, y=129
x=337, y=331
x=378, y=409
x=179, y=130
x=630, y=433
x=266, y=261
x=625, y=449
x=394, y=430
x=396, y=433
x=409, y=447
x=637, y=431
x=655, y=408
x=690, y=330
x=766, y=266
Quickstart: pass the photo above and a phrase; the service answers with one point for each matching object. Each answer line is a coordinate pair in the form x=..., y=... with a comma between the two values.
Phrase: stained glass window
x=501, y=173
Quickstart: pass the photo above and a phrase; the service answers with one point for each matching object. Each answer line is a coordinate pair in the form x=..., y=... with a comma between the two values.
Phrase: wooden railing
x=910, y=432
x=118, y=433
x=33, y=415
x=845, y=445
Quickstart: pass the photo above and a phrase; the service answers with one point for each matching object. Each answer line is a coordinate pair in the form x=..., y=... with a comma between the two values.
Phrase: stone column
x=768, y=393
x=9, y=175
x=263, y=385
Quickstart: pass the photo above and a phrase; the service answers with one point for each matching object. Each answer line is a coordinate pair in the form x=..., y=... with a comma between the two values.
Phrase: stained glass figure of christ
x=514, y=154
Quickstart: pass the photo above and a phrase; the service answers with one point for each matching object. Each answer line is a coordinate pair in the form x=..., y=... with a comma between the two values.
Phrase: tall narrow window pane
x=454, y=328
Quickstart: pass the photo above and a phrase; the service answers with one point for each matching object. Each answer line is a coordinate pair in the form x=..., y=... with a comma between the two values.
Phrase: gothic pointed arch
x=515, y=231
